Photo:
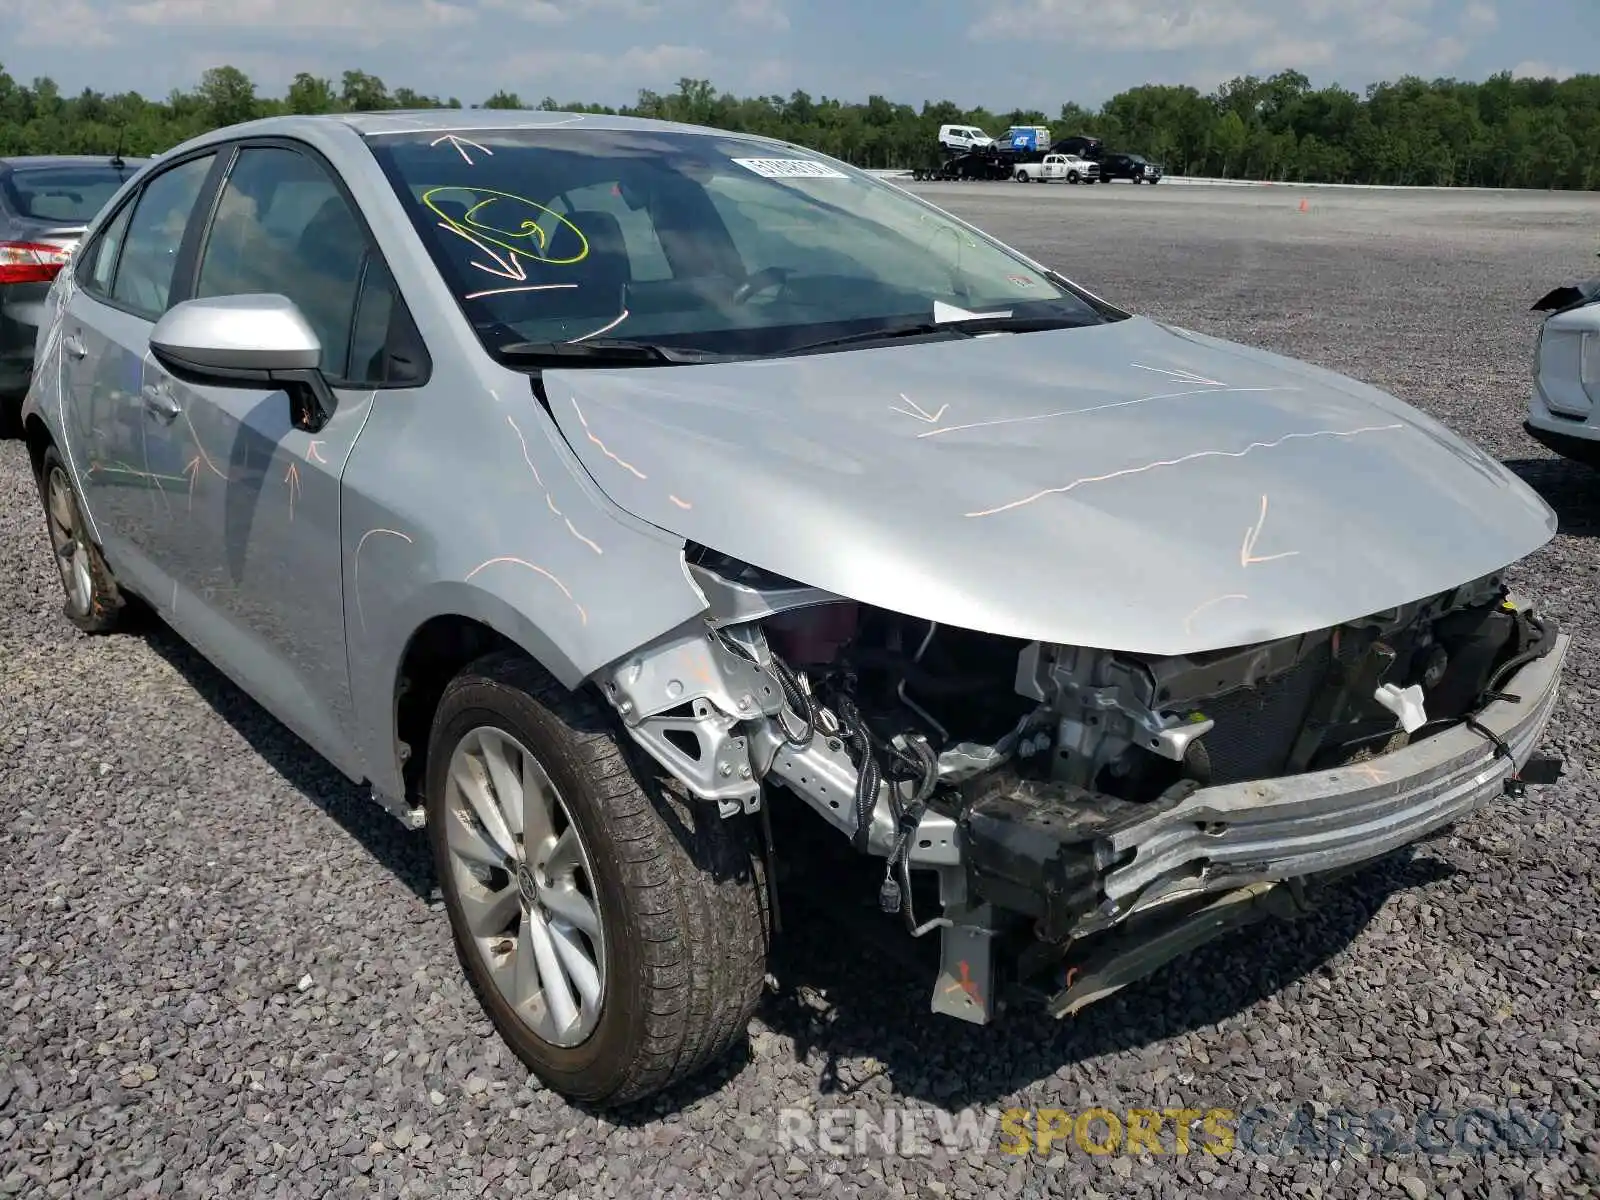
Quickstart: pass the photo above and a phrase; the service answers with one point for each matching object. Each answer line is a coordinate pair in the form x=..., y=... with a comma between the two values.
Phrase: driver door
x=263, y=494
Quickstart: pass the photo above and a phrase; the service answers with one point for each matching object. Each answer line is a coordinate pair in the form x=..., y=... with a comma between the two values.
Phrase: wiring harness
x=906, y=759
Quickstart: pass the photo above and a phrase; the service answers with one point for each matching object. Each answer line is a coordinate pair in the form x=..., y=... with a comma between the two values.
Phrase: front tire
x=615, y=935
x=94, y=603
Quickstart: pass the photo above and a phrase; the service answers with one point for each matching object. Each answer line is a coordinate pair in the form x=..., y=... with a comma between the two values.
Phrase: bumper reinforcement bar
x=1138, y=885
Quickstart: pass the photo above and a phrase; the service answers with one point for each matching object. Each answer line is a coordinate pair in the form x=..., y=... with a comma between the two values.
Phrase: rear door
x=260, y=550
x=129, y=461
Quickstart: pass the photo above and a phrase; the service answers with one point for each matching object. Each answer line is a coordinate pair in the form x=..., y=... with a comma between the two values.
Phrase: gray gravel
x=228, y=976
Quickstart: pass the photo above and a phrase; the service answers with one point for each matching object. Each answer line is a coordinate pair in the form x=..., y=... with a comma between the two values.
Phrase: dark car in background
x=46, y=201
x=1134, y=167
x=1080, y=144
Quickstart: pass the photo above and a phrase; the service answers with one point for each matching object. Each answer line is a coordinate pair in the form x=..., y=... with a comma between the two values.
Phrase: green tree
x=363, y=93
x=1230, y=137
x=227, y=96
x=308, y=94
x=1500, y=132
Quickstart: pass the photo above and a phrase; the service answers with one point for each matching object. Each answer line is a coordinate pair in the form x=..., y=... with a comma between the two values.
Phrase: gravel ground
x=228, y=975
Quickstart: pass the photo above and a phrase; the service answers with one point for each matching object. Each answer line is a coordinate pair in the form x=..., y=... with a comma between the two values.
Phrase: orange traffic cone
x=1305, y=206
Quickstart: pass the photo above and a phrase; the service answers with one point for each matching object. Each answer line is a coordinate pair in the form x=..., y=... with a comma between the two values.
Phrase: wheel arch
x=435, y=653
x=437, y=648
x=36, y=436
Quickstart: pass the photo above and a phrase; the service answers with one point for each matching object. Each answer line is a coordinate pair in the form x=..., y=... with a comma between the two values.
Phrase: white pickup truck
x=1069, y=167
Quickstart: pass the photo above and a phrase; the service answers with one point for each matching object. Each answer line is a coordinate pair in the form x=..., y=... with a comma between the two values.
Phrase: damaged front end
x=1088, y=815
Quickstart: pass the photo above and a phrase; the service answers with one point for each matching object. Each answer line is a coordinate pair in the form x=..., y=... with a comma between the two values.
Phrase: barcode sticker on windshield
x=790, y=168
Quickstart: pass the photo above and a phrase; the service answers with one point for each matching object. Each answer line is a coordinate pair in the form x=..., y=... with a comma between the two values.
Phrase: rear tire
x=674, y=892
x=94, y=603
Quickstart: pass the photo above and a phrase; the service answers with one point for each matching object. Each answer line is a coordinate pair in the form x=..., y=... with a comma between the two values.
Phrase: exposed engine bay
x=1010, y=767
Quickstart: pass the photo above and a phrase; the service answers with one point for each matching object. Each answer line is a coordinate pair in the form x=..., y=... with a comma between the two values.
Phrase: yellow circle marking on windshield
x=527, y=232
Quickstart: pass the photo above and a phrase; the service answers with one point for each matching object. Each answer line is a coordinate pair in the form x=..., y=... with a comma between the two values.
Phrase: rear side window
x=283, y=227
x=150, y=248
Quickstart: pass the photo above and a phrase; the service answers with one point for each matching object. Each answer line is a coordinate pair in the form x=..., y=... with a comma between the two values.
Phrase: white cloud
x=1127, y=24
x=568, y=74
x=1388, y=26
x=1377, y=36
x=1535, y=69
x=372, y=16
x=767, y=75
x=64, y=23
x=1446, y=53
x=1480, y=17
x=761, y=14
x=1293, y=54
x=1358, y=15
x=565, y=12
x=1080, y=50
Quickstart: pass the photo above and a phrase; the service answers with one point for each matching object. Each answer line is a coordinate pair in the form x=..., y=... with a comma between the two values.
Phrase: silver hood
x=1128, y=486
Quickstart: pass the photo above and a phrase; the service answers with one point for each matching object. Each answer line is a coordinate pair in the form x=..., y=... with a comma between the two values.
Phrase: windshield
x=692, y=240
x=69, y=194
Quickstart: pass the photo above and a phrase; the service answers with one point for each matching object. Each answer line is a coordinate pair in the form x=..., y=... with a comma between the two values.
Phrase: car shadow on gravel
x=846, y=1002
x=397, y=849
x=1571, y=488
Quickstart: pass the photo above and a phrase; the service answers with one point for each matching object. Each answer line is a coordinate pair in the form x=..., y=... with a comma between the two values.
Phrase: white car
x=1068, y=167
x=1564, y=410
x=960, y=139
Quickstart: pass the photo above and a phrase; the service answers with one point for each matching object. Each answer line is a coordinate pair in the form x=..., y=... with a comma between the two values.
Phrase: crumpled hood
x=1127, y=486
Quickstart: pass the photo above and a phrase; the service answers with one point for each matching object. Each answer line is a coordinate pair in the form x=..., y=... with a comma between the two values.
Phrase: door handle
x=74, y=346
x=159, y=401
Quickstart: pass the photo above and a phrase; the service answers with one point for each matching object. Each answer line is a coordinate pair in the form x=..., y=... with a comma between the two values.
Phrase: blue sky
x=1000, y=53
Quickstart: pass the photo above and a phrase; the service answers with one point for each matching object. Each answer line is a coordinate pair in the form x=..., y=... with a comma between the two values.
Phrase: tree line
x=1502, y=132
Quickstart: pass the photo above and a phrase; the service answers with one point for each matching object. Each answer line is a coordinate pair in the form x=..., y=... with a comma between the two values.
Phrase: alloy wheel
x=72, y=558
x=526, y=886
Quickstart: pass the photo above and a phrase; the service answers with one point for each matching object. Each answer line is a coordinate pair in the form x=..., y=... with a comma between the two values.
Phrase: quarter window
x=94, y=271
x=283, y=227
x=369, y=342
x=144, y=275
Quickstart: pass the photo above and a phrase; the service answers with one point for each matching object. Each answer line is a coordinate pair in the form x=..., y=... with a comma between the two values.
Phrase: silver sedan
x=588, y=486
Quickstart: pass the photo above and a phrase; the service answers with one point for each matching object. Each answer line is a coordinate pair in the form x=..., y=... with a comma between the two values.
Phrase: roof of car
x=441, y=122
x=465, y=120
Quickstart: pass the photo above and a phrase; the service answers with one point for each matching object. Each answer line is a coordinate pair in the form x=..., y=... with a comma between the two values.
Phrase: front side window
x=150, y=251
x=70, y=194
x=282, y=227
x=703, y=241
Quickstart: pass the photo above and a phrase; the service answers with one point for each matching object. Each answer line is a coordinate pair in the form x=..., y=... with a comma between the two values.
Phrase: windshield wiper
x=620, y=350
x=1003, y=323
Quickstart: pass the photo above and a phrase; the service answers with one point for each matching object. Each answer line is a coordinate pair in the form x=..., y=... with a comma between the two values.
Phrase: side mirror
x=240, y=341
